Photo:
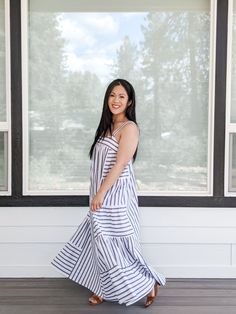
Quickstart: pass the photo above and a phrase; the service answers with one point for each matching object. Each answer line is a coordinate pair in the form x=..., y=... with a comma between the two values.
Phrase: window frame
x=216, y=200
x=25, y=108
x=230, y=128
x=6, y=126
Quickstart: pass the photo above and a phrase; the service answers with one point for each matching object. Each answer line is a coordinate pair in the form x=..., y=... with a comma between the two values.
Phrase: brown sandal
x=150, y=298
x=94, y=300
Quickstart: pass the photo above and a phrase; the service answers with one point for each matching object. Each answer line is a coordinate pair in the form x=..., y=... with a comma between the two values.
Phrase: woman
x=104, y=253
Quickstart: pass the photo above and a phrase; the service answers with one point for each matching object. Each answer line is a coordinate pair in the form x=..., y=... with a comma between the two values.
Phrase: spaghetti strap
x=122, y=125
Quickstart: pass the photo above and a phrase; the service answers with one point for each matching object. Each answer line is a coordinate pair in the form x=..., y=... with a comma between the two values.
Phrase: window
x=5, y=163
x=175, y=55
x=230, y=139
x=165, y=49
x=232, y=162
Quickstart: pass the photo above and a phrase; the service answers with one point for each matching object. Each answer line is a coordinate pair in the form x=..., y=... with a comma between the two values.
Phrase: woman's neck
x=118, y=120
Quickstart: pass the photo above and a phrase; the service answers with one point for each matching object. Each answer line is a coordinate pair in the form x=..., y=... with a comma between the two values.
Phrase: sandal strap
x=96, y=298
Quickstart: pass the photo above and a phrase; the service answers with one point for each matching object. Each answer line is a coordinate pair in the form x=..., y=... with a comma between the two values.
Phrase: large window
x=165, y=49
x=64, y=54
x=230, y=151
x=4, y=101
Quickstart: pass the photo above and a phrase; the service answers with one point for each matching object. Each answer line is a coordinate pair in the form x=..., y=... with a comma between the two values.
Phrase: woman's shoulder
x=130, y=122
x=130, y=125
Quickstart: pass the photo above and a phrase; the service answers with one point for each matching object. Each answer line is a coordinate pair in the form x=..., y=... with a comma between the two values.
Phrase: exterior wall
x=179, y=242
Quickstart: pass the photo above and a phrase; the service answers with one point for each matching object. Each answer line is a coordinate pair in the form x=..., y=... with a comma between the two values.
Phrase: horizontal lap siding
x=180, y=242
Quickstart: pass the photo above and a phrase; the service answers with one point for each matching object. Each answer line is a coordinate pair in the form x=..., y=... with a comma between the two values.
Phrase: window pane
x=3, y=161
x=232, y=165
x=233, y=68
x=163, y=52
x=2, y=64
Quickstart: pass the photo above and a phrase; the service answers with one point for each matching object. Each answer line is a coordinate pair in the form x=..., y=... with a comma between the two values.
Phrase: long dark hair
x=106, y=118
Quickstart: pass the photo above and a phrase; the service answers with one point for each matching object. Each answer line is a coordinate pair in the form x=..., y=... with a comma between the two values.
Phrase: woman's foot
x=94, y=299
x=152, y=295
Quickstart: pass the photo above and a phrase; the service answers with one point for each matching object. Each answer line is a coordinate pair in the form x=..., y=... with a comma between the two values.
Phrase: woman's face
x=118, y=100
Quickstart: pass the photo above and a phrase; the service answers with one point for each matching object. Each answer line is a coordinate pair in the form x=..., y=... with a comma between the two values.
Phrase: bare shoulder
x=130, y=128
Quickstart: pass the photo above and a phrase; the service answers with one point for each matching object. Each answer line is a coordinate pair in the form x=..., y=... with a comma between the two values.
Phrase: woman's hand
x=97, y=201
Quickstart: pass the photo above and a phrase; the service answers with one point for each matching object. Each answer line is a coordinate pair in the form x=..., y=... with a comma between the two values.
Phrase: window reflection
x=165, y=55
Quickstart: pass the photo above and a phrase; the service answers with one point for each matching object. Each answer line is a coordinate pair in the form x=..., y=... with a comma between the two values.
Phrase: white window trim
x=229, y=127
x=6, y=126
x=24, y=52
x=211, y=99
x=106, y=5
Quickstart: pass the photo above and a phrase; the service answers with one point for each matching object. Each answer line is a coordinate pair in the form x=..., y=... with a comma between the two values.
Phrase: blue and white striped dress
x=104, y=253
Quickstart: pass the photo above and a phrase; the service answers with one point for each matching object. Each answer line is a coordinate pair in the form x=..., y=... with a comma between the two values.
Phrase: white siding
x=180, y=242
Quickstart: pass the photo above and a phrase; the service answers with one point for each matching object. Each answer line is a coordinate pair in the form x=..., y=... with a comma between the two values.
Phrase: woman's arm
x=127, y=145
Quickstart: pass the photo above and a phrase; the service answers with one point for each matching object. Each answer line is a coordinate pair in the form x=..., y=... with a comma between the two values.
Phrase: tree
x=47, y=102
x=175, y=67
x=63, y=107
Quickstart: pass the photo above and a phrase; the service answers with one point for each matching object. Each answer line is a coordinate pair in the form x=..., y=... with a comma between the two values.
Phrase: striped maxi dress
x=104, y=253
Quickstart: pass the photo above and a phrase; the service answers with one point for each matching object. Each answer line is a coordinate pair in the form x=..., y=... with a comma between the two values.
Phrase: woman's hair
x=106, y=118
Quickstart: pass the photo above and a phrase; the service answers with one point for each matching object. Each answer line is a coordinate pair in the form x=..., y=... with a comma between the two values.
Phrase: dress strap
x=122, y=125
